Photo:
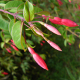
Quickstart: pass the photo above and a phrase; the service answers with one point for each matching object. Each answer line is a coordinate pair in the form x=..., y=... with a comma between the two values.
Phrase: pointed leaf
x=28, y=11
x=12, y=4
x=16, y=35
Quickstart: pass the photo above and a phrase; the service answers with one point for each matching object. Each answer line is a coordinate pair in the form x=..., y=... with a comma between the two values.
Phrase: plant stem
x=72, y=33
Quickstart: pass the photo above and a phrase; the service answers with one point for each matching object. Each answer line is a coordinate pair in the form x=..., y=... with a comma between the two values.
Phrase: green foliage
x=16, y=23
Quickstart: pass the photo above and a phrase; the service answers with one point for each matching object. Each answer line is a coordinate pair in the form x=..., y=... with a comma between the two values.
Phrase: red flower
x=59, y=2
x=9, y=50
x=38, y=59
x=68, y=23
x=5, y=73
x=14, y=47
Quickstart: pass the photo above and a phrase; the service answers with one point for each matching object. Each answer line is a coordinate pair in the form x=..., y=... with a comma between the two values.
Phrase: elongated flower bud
x=38, y=32
x=8, y=49
x=68, y=23
x=55, y=46
x=31, y=50
x=70, y=1
x=59, y=2
x=12, y=42
x=14, y=47
x=51, y=28
x=5, y=73
x=55, y=21
x=38, y=59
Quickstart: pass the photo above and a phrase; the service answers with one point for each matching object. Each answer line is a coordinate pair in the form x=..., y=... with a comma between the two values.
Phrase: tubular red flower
x=8, y=49
x=55, y=46
x=14, y=47
x=38, y=59
x=5, y=73
x=68, y=23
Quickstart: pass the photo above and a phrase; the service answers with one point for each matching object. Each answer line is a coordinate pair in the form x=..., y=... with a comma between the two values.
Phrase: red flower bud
x=79, y=7
x=5, y=73
x=70, y=1
x=69, y=44
x=31, y=50
x=68, y=23
x=41, y=44
x=43, y=41
x=12, y=42
x=59, y=2
x=14, y=47
x=38, y=59
x=52, y=29
x=55, y=21
x=55, y=46
x=9, y=50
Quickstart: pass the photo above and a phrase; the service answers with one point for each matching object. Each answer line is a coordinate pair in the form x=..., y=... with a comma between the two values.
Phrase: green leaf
x=28, y=11
x=44, y=13
x=77, y=30
x=16, y=35
x=70, y=74
x=11, y=25
x=12, y=4
x=2, y=44
x=37, y=9
x=30, y=42
x=3, y=24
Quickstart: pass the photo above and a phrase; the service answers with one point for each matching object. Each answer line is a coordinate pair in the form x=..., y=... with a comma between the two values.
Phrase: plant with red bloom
x=9, y=50
x=60, y=2
x=70, y=1
x=5, y=73
x=38, y=59
x=14, y=47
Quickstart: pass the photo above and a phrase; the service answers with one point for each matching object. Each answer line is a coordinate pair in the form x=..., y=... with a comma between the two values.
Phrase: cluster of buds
x=42, y=43
x=60, y=21
x=36, y=57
